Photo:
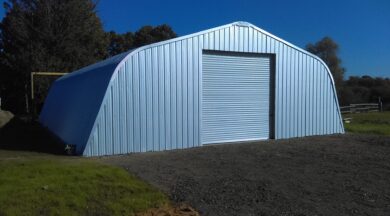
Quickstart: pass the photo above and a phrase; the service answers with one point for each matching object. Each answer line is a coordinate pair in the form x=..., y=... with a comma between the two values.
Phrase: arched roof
x=74, y=100
x=73, y=103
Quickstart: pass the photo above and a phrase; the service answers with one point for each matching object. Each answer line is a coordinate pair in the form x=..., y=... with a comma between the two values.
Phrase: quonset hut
x=232, y=83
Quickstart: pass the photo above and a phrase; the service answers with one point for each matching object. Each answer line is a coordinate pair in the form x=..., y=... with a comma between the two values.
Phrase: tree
x=365, y=89
x=327, y=50
x=148, y=34
x=46, y=35
x=119, y=43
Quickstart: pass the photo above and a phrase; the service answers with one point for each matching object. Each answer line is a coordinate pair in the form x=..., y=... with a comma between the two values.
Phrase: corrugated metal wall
x=153, y=101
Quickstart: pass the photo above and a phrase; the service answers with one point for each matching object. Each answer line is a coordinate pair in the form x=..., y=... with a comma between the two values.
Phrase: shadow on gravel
x=27, y=135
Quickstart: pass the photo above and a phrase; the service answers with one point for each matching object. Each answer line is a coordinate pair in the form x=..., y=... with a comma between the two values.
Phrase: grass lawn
x=41, y=184
x=369, y=123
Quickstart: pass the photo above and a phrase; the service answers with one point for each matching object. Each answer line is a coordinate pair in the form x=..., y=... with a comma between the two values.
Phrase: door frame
x=272, y=89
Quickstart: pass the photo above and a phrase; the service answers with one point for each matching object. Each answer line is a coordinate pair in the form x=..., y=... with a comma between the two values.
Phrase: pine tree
x=45, y=35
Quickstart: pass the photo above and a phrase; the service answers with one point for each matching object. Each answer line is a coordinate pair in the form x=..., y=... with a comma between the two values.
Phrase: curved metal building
x=235, y=82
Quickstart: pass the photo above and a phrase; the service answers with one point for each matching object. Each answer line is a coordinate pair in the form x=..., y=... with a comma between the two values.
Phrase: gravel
x=320, y=175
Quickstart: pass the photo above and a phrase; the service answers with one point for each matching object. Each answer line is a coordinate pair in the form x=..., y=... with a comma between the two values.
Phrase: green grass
x=37, y=184
x=369, y=123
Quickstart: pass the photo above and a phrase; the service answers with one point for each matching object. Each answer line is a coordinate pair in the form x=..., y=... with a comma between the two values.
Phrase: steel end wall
x=153, y=101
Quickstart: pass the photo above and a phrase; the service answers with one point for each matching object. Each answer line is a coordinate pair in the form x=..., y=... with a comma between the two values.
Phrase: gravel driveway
x=328, y=175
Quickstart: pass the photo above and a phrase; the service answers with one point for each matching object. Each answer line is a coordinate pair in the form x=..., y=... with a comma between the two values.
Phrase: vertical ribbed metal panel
x=154, y=99
x=236, y=90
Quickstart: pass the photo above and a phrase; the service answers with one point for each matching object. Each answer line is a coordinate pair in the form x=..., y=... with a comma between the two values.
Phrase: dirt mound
x=24, y=134
x=5, y=117
x=178, y=210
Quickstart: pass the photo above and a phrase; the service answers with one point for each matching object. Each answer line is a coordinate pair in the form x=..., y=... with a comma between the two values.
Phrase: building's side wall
x=74, y=100
x=154, y=101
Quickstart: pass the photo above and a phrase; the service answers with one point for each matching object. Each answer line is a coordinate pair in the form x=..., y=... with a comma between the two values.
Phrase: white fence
x=359, y=108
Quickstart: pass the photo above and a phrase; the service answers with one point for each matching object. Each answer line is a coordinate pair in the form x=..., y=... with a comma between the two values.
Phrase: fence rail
x=359, y=108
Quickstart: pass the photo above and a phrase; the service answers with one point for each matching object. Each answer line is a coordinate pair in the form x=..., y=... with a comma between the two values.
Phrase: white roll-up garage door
x=235, y=97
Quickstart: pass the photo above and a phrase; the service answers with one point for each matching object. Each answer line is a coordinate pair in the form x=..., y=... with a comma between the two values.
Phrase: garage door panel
x=235, y=97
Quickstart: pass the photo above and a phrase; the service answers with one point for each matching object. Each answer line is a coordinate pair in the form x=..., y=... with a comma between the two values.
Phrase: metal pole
x=43, y=74
x=32, y=85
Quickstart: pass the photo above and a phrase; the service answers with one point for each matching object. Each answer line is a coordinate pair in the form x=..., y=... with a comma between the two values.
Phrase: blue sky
x=361, y=28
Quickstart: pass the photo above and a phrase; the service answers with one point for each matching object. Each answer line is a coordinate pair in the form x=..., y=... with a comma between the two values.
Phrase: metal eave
x=238, y=23
x=132, y=52
x=311, y=55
